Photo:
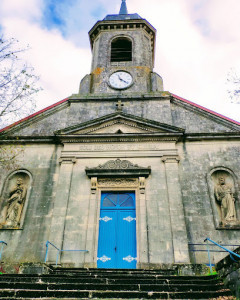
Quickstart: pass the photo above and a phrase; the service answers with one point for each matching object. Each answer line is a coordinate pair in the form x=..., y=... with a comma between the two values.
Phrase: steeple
x=123, y=9
x=123, y=47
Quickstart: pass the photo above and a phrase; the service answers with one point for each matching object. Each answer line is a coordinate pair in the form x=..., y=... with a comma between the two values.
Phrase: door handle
x=115, y=249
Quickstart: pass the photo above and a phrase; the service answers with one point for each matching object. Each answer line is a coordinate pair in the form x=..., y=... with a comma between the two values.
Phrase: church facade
x=125, y=170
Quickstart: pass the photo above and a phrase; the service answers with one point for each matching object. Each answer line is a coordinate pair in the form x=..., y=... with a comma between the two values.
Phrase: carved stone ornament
x=142, y=184
x=67, y=160
x=118, y=167
x=118, y=164
x=93, y=185
x=170, y=159
x=118, y=182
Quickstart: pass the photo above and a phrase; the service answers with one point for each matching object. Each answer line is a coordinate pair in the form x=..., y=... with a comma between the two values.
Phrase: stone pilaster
x=142, y=219
x=92, y=229
x=179, y=232
x=60, y=205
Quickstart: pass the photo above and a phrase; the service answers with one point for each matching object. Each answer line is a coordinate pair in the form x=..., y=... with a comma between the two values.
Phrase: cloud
x=197, y=43
x=194, y=49
x=30, y=10
x=59, y=62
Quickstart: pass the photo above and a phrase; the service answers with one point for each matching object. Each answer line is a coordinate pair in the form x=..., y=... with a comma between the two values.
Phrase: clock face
x=120, y=80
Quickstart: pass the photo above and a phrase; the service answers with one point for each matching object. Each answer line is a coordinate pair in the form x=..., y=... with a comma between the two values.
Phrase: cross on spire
x=119, y=106
x=123, y=9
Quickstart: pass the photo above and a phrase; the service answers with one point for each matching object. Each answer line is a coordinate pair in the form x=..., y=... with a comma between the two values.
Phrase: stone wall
x=229, y=271
x=76, y=226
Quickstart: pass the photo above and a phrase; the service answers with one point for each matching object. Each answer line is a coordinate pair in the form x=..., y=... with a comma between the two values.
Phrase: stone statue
x=12, y=211
x=224, y=196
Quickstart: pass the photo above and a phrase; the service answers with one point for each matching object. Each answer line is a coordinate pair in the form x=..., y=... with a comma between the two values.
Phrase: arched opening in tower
x=121, y=50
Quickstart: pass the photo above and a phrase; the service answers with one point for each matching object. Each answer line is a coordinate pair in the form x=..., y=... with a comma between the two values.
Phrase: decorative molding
x=118, y=182
x=151, y=127
x=118, y=164
x=140, y=128
x=163, y=137
x=118, y=168
x=171, y=159
x=122, y=147
x=93, y=185
x=67, y=160
x=142, y=181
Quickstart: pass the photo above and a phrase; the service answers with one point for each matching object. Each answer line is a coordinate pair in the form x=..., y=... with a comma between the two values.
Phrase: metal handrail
x=58, y=251
x=1, y=251
x=222, y=247
x=202, y=250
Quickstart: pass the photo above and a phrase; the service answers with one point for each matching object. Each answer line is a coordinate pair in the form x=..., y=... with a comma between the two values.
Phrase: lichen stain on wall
x=98, y=71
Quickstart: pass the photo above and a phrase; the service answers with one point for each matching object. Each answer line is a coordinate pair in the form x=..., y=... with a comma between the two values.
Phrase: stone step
x=111, y=276
x=51, y=298
x=69, y=279
x=109, y=271
x=15, y=294
x=125, y=275
x=110, y=287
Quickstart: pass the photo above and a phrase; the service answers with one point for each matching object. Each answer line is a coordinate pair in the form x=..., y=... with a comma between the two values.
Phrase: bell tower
x=123, y=47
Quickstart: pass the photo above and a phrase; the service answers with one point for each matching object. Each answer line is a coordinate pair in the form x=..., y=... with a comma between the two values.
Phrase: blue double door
x=117, y=231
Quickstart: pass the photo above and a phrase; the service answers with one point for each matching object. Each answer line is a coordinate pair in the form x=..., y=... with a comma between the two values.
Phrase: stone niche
x=14, y=200
x=224, y=198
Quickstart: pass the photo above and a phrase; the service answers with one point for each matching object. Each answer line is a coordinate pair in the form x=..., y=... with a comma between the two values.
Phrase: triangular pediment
x=119, y=123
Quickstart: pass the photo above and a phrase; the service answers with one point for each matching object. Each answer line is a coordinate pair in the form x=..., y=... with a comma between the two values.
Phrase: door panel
x=126, y=240
x=117, y=231
x=107, y=239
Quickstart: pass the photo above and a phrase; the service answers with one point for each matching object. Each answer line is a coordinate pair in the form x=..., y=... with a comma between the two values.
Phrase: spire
x=123, y=9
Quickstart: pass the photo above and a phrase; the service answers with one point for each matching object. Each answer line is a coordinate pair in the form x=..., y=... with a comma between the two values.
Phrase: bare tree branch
x=234, y=86
x=18, y=85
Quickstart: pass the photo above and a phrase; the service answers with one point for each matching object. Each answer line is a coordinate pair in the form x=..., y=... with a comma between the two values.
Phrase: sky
x=197, y=46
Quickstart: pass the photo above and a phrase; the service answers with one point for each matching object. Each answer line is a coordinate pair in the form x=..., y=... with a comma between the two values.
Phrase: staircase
x=110, y=284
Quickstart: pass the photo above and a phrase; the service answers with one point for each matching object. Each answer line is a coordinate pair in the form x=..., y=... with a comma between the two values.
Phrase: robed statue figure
x=224, y=196
x=12, y=211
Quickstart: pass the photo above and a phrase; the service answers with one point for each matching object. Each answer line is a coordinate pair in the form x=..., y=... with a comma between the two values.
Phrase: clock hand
x=122, y=79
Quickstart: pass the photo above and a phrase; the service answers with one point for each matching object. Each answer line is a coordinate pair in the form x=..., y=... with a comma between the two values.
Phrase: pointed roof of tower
x=123, y=9
x=123, y=14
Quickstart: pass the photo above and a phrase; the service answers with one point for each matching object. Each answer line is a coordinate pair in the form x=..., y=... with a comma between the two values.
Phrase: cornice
x=28, y=139
x=116, y=25
x=109, y=138
x=121, y=117
x=117, y=168
x=113, y=97
x=211, y=136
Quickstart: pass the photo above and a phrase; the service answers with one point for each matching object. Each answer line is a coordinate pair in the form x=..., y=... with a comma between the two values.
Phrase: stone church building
x=125, y=170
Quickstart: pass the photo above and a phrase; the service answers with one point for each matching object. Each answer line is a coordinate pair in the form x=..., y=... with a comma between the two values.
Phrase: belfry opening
x=121, y=50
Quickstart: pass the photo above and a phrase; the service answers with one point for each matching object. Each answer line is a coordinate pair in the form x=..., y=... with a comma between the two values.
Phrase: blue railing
x=1, y=251
x=223, y=249
x=58, y=251
x=231, y=253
